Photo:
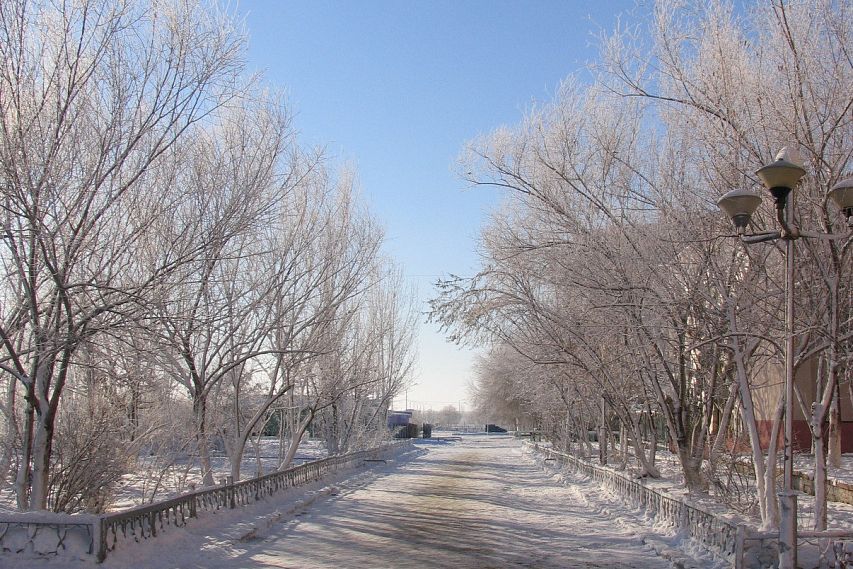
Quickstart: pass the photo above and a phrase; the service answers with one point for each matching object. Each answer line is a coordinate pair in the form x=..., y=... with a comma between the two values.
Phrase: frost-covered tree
x=610, y=261
x=174, y=264
x=94, y=94
x=744, y=86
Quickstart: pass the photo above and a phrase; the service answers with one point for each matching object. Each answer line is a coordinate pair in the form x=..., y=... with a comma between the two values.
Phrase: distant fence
x=49, y=534
x=741, y=545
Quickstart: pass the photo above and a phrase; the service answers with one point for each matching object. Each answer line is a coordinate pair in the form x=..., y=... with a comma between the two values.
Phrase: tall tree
x=93, y=94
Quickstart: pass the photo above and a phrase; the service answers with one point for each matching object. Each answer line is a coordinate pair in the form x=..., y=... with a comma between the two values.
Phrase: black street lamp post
x=780, y=178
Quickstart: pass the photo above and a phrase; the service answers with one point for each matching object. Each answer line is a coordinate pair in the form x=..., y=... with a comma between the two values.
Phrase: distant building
x=768, y=386
x=399, y=418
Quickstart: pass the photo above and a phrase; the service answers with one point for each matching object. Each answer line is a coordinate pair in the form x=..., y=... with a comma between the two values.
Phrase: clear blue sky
x=396, y=88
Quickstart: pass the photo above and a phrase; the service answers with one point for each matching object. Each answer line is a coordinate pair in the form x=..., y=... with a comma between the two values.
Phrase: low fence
x=836, y=490
x=722, y=537
x=741, y=545
x=815, y=549
x=49, y=534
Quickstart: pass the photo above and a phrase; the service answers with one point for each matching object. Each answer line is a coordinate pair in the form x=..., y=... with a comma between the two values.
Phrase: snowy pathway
x=474, y=504
x=477, y=503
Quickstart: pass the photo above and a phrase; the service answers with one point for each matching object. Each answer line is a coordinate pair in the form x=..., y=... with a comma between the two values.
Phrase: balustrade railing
x=55, y=534
x=720, y=536
x=815, y=549
x=741, y=545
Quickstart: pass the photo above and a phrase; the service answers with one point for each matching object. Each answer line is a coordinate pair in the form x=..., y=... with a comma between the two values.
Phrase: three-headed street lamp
x=781, y=177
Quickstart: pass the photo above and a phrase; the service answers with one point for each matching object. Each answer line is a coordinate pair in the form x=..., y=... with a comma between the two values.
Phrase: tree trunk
x=135, y=403
x=647, y=466
x=42, y=446
x=350, y=426
x=296, y=440
x=819, y=479
x=12, y=433
x=238, y=447
x=256, y=443
x=770, y=468
x=200, y=412
x=235, y=456
x=834, y=450
x=764, y=470
x=823, y=407
x=587, y=446
x=602, y=435
x=24, y=475
x=332, y=431
x=654, y=443
x=692, y=467
x=721, y=438
x=749, y=420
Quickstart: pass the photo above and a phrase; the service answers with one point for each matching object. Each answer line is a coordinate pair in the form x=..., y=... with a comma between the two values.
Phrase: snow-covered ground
x=151, y=479
x=805, y=463
x=480, y=501
x=671, y=483
x=469, y=501
x=262, y=459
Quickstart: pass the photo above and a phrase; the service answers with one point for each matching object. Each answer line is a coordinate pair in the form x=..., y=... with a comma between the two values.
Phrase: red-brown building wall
x=803, y=437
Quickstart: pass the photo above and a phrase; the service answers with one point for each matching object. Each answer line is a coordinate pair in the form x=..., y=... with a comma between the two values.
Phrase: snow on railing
x=718, y=535
x=50, y=534
x=741, y=545
x=815, y=549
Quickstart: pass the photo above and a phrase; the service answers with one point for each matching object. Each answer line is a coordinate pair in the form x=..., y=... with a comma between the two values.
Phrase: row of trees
x=612, y=290
x=447, y=416
x=176, y=270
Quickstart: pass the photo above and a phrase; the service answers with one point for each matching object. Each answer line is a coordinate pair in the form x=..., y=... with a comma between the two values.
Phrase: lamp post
x=780, y=178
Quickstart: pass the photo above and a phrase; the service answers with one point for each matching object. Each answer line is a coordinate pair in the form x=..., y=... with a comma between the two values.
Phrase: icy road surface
x=477, y=503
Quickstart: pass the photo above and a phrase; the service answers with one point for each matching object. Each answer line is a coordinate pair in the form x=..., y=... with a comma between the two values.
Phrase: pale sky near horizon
x=396, y=89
